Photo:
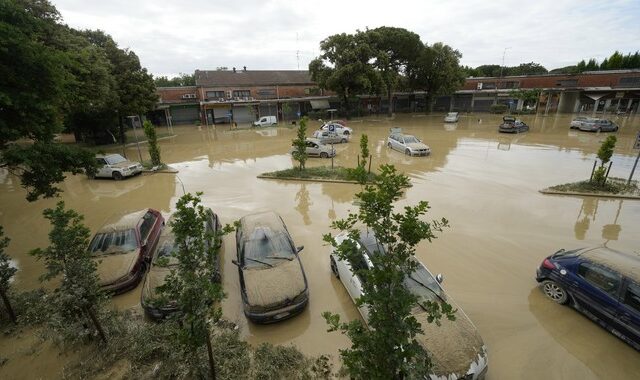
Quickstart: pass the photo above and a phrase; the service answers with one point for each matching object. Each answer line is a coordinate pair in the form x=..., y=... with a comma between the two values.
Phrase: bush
x=498, y=108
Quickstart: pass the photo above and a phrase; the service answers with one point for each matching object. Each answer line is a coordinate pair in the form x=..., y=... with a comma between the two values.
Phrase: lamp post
x=134, y=121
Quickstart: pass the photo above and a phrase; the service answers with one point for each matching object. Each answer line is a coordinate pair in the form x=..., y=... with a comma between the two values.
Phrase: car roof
x=263, y=220
x=627, y=264
x=121, y=222
x=108, y=155
x=314, y=140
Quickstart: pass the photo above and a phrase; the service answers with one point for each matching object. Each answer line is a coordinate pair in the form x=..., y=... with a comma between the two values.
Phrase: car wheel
x=554, y=291
x=389, y=145
x=334, y=267
x=599, y=130
x=343, y=141
x=347, y=133
x=117, y=176
x=324, y=155
x=407, y=152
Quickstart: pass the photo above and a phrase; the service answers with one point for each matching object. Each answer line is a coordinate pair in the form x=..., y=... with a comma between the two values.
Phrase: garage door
x=243, y=115
x=185, y=114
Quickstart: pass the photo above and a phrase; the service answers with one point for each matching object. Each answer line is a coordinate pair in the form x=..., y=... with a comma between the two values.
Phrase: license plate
x=281, y=315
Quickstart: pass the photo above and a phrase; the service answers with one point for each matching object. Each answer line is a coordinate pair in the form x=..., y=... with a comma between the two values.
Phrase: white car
x=317, y=149
x=338, y=128
x=452, y=117
x=265, y=121
x=331, y=137
x=456, y=348
x=408, y=144
x=117, y=167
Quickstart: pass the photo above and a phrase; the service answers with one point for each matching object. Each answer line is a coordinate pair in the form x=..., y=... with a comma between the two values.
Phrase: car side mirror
x=235, y=262
x=439, y=278
x=300, y=248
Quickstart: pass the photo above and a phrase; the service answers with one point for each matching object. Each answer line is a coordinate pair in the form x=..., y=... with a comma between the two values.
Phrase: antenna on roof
x=297, y=51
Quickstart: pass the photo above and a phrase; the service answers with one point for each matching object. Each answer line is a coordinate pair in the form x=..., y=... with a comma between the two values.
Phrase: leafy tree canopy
x=178, y=81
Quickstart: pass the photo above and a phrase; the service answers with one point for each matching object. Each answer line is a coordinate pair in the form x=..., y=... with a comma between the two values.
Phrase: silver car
x=330, y=137
x=317, y=149
x=598, y=125
x=408, y=144
x=451, y=117
x=456, y=348
x=117, y=167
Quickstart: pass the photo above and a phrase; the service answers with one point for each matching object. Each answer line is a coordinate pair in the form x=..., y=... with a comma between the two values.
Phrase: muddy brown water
x=484, y=182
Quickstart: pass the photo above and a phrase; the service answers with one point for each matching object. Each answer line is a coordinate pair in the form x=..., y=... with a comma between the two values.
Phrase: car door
x=104, y=170
x=353, y=281
x=148, y=230
x=596, y=290
x=313, y=149
x=629, y=311
x=394, y=141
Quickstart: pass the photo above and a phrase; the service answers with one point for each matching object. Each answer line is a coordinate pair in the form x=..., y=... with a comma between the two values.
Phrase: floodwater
x=484, y=182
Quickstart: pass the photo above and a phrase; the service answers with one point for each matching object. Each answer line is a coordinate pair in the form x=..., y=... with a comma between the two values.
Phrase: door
x=312, y=149
x=355, y=281
x=596, y=290
x=629, y=312
x=104, y=170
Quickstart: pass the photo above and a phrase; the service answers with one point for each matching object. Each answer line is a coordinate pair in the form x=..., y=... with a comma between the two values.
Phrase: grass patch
x=617, y=186
x=321, y=172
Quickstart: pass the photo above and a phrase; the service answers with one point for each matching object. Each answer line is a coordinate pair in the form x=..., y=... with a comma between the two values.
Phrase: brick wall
x=552, y=81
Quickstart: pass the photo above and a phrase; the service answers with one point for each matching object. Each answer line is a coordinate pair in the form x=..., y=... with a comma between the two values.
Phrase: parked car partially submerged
x=315, y=148
x=451, y=117
x=330, y=137
x=512, y=125
x=122, y=248
x=575, y=123
x=456, y=349
x=265, y=121
x=272, y=280
x=408, y=144
x=598, y=125
x=340, y=129
x=165, y=259
x=602, y=283
x=117, y=167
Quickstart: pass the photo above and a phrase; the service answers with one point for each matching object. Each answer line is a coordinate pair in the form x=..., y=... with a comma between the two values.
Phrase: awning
x=319, y=104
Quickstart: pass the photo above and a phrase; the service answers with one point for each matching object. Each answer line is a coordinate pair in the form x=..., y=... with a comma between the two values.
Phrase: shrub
x=498, y=108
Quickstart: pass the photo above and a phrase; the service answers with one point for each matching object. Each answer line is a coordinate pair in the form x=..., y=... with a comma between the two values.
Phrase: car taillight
x=548, y=264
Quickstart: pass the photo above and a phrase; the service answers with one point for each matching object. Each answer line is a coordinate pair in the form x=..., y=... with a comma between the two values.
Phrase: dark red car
x=123, y=247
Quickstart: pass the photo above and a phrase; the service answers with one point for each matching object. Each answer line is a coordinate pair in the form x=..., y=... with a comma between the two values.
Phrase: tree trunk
x=389, y=97
x=345, y=99
x=428, y=104
x=7, y=305
x=96, y=323
x=212, y=364
x=123, y=137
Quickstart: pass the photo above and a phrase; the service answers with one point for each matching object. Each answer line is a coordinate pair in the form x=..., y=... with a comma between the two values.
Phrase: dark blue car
x=602, y=283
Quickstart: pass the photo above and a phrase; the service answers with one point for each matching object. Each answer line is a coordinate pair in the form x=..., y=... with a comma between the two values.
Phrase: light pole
x=135, y=133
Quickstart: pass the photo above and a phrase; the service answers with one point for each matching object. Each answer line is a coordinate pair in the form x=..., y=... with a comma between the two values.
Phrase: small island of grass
x=614, y=187
x=320, y=173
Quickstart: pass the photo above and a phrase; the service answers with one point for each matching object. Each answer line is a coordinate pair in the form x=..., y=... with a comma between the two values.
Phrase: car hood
x=417, y=146
x=455, y=347
x=114, y=266
x=270, y=287
x=154, y=279
x=125, y=164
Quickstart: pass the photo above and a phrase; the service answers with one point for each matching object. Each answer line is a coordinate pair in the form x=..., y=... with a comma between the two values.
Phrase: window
x=632, y=296
x=600, y=277
x=267, y=92
x=148, y=221
x=113, y=242
x=510, y=84
x=241, y=93
x=101, y=161
x=629, y=82
x=568, y=83
x=488, y=86
x=215, y=94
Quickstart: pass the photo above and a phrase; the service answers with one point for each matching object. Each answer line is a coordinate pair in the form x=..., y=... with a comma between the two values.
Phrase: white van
x=265, y=121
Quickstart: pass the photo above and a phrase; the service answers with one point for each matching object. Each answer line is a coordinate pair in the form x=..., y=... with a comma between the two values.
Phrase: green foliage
x=6, y=270
x=152, y=140
x=78, y=297
x=528, y=95
x=364, y=150
x=606, y=149
x=179, y=81
x=613, y=186
x=498, y=108
x=300, y=144
x=374, y=352
x=530, y=68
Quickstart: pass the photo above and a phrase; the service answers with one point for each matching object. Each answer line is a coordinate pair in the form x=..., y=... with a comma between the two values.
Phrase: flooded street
x=485, y=183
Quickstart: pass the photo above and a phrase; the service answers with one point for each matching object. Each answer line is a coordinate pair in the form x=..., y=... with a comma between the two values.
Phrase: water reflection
x=303, y=202
x=587, y=216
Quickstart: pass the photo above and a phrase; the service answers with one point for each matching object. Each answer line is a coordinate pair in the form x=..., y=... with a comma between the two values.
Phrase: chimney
x=234, y=69
x=244, y=68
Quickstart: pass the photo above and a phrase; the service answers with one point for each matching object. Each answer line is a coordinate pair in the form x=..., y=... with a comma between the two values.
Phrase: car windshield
x=113, y=242
x=422, y=284
x=410, y=140
x=166, y=254
x=451, y=114
x=115, y=159
x=264, y=246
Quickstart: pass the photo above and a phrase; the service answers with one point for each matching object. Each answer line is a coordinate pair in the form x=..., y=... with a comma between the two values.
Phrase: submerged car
x=575, y=123
x=598, y=125
x=339, y=128
x=117, y=167
x=272, y=280
x=123, y=247
x=408, y=144
x=451, y=117
x=164, y=260
x=602, y=283
x=456, y=349
x=512, y=125
x=330, y=137
x=317, y=149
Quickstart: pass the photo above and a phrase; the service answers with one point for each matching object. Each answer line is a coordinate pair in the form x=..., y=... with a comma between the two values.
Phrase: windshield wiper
x=280, y=257
x=428, y=288
x=258, y=261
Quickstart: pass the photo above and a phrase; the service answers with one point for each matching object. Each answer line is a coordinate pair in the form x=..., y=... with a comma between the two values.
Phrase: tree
x=529, y=96
x=68, y=261
x=604, y=154
x=6, y=272
x=179, y=81
x=374, y=351
x=152, y=140
x=436, y=70
x=300, y=144
x=393, y=49
x=37, y=88
x=344, y=67
x=191, y=285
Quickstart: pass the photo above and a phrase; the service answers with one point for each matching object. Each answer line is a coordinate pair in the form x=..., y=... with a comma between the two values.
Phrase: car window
x=115, y=159
x=632, y=296
x=359, y=264
x=422, y=285
x=167, y=254
x=410, y=140
x=266, y=245
x=148, y=221
x=113, y=242
x=600, y=277
x=101, y=161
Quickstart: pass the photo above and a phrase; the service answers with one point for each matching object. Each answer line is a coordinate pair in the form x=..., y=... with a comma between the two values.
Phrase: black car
x=272, y=280
x=512, y=125
x=602, y=283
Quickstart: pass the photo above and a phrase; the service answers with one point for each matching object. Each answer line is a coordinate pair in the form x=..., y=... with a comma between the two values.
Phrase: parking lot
x=485, y=183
